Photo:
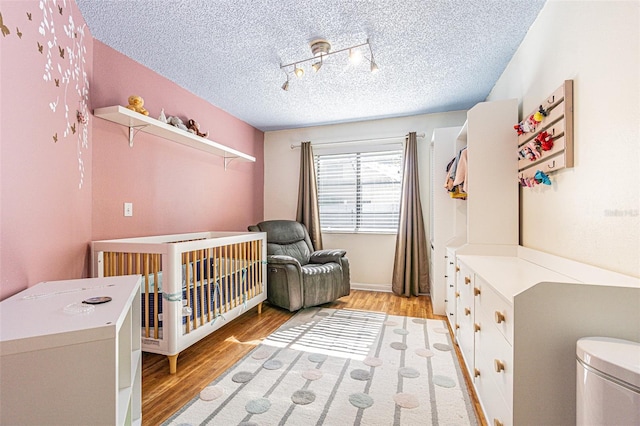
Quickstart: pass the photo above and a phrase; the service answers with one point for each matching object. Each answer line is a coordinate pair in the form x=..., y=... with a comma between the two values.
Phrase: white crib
x=192, y=284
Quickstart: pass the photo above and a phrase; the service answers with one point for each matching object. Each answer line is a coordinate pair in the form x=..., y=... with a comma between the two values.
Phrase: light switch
x=128, y=209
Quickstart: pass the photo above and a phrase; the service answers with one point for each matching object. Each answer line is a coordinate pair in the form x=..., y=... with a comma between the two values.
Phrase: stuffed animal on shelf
x=194, y=127
x=176, y=122
x=136, y=103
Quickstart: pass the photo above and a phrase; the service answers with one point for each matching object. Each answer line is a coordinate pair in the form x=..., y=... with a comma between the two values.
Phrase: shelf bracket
x=227, y=161
x=133, y=131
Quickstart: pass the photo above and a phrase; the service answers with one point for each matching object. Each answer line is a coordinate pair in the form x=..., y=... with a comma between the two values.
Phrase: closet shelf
x=137, y=122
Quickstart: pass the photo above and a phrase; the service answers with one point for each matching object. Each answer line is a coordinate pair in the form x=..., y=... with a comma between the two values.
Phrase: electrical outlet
x=128, y=209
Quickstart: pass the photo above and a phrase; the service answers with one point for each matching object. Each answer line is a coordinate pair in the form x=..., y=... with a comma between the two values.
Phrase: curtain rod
x=419, y=135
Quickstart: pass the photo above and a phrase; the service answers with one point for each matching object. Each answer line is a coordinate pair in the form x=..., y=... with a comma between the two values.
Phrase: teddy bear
x=136, y=103
x=194, y=127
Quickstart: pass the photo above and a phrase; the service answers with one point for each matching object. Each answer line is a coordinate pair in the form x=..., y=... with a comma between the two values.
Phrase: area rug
x=340, y=367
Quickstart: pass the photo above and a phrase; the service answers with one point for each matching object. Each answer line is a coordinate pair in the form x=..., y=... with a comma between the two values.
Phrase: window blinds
x=359, y=192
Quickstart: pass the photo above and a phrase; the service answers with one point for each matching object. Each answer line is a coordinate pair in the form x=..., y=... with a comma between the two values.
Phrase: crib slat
x=209, y=295
x=188, y=283
x=201, y=311
x=227, y=280
x=156, y=299
x=245, y=271
x=145, y=274
x=252, y=269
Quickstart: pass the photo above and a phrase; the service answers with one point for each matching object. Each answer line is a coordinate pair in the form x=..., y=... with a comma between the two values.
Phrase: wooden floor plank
x=164, y=393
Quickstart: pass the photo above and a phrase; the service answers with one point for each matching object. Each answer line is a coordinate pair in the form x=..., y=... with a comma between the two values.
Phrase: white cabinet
x=60, y=365
x=441, y=218
x=492, y=201
x=489, y=215
x=451, y=293
x=519, y=318
x=465, y=314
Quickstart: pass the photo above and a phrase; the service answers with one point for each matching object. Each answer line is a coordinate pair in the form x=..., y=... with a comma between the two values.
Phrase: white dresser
x=59, y=365
x=518, y=318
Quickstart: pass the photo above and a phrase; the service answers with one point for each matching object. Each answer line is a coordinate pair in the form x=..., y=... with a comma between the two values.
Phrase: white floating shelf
x=137, y=122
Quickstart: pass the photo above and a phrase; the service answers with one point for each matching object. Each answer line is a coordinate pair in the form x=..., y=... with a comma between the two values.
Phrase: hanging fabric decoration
x=539, y=178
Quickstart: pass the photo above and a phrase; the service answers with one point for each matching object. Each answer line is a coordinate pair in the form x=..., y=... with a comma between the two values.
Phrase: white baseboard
x=383, y=288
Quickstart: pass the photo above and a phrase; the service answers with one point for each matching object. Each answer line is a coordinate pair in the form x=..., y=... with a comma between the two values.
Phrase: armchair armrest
x=284, y=282
x=325, y=256
x=280, y=259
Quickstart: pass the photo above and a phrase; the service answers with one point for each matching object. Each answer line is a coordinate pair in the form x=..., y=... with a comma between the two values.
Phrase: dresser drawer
x=496, y=410
x=496, y=308
x=494, y=356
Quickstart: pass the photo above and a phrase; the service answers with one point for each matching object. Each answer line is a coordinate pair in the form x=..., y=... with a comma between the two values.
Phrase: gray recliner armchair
x=297, y=275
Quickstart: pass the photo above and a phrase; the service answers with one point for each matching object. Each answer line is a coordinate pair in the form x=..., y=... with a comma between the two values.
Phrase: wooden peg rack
x=559, y=124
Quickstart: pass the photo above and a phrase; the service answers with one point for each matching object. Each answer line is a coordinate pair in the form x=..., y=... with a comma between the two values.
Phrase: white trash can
x=608, y=382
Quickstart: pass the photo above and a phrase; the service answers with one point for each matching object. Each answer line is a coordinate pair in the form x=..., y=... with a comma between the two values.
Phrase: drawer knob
x=457, y=326
x=467, y=280
x=498, y=365
x=467, y=311
x=476, y=372
x=457, y=269
x=499, y=317
x=476, y=291
x=457, y=294
x=497, y=422
x=476, y=327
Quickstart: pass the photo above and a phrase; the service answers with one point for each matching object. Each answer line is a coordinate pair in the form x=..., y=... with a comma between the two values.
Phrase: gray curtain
x=410, y=267
x=308, y=211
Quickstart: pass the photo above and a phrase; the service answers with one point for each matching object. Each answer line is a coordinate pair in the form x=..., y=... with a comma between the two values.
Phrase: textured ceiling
x=433, y=55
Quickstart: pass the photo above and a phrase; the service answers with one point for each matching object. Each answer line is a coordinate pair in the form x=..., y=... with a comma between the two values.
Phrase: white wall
x=370, y=255
x=591, y=212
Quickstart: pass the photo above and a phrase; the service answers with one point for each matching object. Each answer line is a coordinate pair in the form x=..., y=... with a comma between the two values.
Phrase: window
x=359, y=192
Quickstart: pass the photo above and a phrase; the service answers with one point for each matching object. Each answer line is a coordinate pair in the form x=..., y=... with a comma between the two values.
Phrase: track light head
x=355, y=56
x=316, y=67
x=299, y=72
x=285, y=85
x=374, y=67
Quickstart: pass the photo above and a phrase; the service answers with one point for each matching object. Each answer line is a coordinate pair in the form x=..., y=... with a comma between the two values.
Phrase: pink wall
x=173, y=188
x=45, y=220
x=58, y=196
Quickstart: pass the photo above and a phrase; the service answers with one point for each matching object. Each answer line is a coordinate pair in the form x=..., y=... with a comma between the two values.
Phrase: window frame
x=391, y=148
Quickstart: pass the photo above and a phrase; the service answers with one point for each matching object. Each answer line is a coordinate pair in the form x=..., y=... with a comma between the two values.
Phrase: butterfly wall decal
x=55, y=138
x=29, y=15
x=3, y=27
x=18, y=32
x=73, y=128
x=60, y=9
x=39, y=47
x=61, y=50
x=57, y=80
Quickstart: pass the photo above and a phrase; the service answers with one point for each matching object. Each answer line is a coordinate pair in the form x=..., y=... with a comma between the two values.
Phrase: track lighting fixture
x=320, y=49
x=317, y=65
x=355, y=56
x=374, y=66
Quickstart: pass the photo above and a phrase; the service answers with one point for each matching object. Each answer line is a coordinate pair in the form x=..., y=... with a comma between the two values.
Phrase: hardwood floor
x=164, y=393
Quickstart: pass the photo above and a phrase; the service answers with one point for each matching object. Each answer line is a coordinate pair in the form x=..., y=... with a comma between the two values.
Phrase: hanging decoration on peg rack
x=544, y=140
x=540, y=177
